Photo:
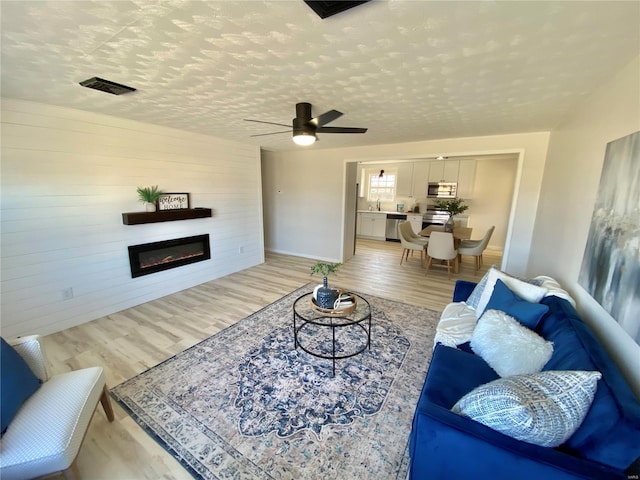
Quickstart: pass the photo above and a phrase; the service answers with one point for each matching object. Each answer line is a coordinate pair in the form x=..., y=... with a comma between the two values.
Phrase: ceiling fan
x=305, y=127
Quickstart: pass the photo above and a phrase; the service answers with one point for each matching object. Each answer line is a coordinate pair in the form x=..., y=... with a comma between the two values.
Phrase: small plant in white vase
x=149, y=195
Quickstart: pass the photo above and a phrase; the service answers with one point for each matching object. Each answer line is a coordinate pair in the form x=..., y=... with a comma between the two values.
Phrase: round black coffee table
x=314, y=324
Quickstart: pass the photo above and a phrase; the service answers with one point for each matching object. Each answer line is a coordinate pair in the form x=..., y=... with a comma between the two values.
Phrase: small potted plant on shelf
x=149, y=195
x=325, y=296
x=453, y=207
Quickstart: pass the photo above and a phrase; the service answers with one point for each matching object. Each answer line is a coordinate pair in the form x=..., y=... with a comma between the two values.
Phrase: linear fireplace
x=157, y=256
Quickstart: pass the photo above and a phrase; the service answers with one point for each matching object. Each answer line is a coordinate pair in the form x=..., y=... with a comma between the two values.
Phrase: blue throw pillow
x=17, y=383
x=527, y=313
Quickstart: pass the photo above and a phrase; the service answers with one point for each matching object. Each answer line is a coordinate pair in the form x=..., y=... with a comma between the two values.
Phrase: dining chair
x=475, y=248
x=410, y=242
x=49, y=421
x=414, y=237
x=441, y=248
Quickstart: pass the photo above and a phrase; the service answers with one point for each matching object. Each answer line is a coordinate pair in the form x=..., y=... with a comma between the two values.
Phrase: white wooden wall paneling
x=66, y=178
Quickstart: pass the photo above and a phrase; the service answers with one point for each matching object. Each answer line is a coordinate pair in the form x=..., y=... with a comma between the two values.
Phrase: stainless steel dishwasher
x=391, y=231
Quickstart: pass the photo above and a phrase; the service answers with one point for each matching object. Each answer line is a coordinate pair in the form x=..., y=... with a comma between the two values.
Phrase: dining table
x=459, y=233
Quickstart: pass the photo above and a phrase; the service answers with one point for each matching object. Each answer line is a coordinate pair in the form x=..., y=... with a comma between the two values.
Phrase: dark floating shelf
x=137, y=218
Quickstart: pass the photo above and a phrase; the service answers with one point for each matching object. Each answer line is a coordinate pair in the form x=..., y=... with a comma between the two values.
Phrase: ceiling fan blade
x=325, y=118
x=341, y=130
x=272, y=133
x=270, y=123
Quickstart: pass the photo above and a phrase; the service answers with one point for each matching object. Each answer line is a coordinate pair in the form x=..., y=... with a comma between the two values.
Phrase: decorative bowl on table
x=343, y=306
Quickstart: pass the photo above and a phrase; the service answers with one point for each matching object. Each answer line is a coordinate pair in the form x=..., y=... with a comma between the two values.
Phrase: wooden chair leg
x=428, y=261
x=106, y=404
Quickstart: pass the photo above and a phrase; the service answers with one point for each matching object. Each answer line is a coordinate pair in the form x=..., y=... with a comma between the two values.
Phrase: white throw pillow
x=544, y=408
x=456, y=325
x=525, y=290
x=509, y=347
x=554, y=289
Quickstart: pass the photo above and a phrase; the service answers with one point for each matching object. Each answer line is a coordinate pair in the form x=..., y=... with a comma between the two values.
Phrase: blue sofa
x=444, y=445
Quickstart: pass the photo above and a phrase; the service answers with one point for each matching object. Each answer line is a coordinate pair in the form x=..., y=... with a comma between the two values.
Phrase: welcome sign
x=173, y=201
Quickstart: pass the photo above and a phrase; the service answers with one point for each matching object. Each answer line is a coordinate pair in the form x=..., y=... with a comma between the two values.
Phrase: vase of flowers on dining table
x=453, y=206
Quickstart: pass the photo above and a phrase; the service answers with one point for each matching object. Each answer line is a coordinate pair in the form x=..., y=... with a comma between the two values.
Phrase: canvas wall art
x=610, y=269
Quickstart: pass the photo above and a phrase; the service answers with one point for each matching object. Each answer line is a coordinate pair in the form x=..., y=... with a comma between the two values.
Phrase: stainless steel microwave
x=442, y=190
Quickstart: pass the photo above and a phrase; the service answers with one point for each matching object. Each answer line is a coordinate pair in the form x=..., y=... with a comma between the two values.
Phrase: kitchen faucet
x=378, y=204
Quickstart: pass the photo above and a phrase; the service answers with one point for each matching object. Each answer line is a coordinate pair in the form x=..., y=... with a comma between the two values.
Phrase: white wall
x=569, y=189
x=67, y=176
x=492, y=196
x=303, y=191
x=302, y=199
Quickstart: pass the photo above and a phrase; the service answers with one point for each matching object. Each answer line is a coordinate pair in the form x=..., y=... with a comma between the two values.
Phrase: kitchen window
x=383, y=187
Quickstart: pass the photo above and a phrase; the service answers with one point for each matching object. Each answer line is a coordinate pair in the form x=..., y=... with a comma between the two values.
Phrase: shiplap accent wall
x=67, y=176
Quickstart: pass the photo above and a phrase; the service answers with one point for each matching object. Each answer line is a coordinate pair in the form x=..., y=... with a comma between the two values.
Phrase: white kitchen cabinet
x=443, y=171
x=371, y=225
x=404, y=179
x=436, y=171
x=451, y=168
x=420, y=179
x=466, y=178
x=416, y=221
x=379, y=225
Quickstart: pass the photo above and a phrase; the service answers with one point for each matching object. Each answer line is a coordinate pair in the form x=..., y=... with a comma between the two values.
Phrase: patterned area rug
x=244, y=404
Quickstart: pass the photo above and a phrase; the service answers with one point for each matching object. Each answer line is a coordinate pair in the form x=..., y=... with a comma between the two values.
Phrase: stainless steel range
x=434, y=217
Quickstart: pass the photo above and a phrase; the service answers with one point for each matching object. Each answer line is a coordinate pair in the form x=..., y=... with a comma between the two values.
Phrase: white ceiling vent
x=106, y=86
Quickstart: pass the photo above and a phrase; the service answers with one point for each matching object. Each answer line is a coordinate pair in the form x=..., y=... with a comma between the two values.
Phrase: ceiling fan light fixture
x=305, y=127
x=304, y=139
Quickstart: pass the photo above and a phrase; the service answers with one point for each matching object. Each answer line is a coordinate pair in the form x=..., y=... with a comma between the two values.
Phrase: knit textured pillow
x=474, y=298
x=543, y=408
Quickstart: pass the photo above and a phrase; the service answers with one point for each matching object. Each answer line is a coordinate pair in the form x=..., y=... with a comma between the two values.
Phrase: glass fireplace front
x=157, y=256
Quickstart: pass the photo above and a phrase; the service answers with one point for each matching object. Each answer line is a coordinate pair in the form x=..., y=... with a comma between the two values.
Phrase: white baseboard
x=303, y=255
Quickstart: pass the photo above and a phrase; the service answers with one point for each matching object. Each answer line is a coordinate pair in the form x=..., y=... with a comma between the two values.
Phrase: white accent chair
x=441, y=248
x=46, y=434
x=475, y=248
x=410, y=242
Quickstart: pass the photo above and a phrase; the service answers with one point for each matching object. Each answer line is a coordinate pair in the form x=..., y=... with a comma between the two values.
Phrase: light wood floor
x=129, y=342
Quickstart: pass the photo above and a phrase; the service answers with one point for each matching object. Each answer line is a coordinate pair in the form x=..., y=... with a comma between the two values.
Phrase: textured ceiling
x=406, y=70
